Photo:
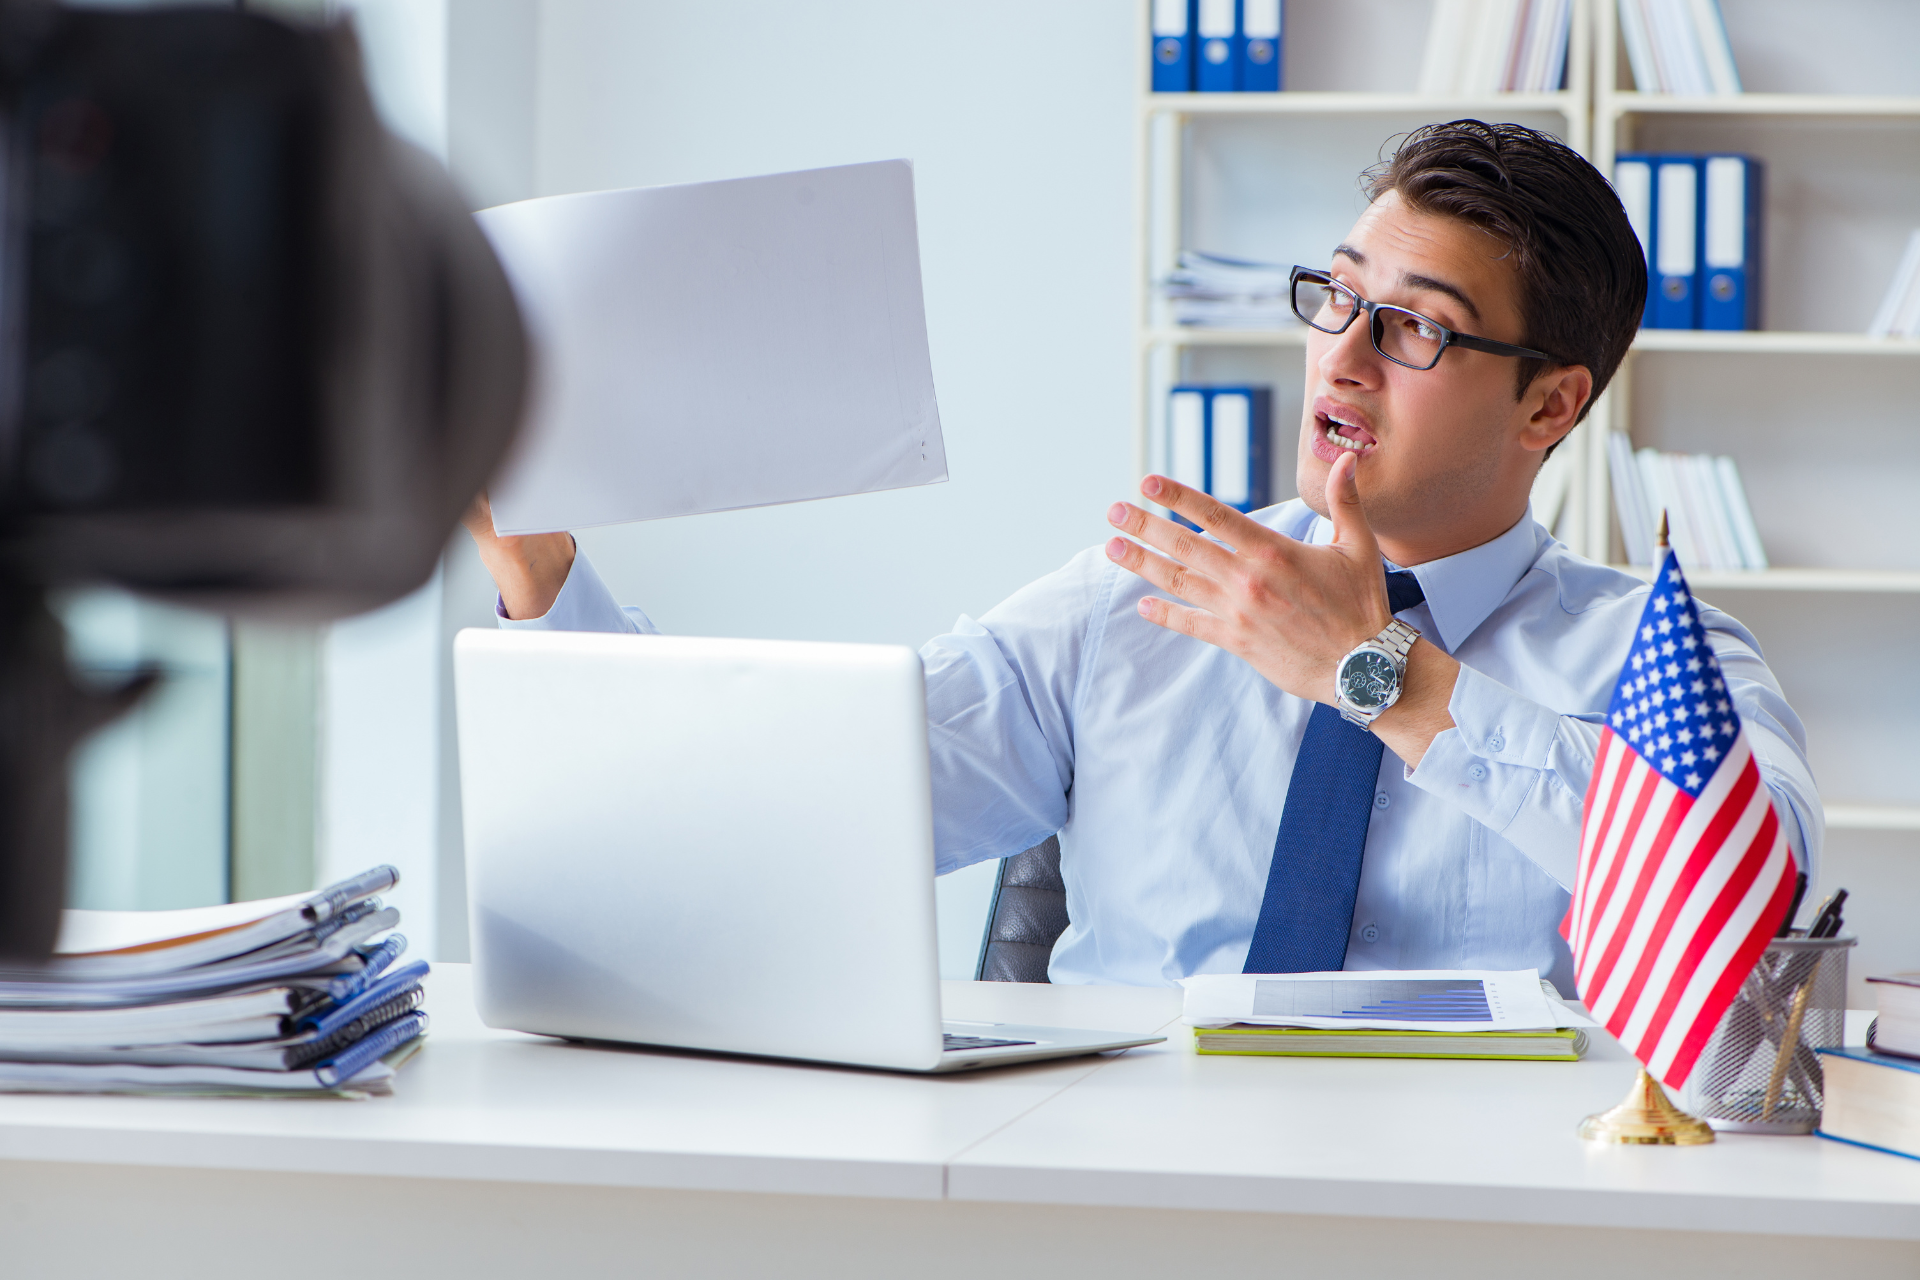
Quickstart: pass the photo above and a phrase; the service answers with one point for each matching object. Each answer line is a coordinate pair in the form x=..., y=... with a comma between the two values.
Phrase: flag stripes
x=1684, y=871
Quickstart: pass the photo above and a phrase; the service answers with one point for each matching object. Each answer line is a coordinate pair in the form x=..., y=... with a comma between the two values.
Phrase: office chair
x=1028, y=914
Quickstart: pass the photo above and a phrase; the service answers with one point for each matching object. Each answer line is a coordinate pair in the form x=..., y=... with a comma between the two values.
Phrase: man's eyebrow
x=1413, y=280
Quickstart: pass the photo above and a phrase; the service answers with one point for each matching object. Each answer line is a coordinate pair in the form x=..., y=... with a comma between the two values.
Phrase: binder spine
x=1261, y=45
x=1217, y=59
x=1172, y=31
x=1676, y=247
x=1730, y=243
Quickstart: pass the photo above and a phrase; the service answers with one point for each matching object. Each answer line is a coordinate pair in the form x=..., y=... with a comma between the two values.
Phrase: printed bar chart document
x=718, y=345
x=1381, y=1000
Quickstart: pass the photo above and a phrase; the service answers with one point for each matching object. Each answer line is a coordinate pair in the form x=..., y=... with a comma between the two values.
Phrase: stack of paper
x=1229, y=293
x=1412, y=1013
x=292, y=995
x=1678, y=47
x=1493, y=46
x=1899, y=314
x=1709, y=523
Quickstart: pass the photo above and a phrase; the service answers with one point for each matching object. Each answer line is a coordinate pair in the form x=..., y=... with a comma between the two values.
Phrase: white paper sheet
x=1424, y=999
x=718, y=345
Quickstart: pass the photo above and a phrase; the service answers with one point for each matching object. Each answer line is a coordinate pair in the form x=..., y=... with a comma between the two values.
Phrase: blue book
x=1172, y=24
x=1633, y=183
x=1871, y=1100
x=1217, y=62
x=1260, y=46
x=1676, y=242
x=1730, y=249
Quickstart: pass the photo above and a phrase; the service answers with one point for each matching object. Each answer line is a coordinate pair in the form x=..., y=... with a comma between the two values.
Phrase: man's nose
x=1350, y=356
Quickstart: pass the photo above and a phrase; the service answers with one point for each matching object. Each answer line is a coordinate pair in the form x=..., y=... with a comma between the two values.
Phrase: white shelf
x=1871, y=817
x=1758, y=104
x=1200, y=336
x=1772, y=342
x=1325, y=104
x=1863, y=580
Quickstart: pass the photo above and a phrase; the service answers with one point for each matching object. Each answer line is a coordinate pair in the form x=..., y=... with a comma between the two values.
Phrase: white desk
x=505, y=1154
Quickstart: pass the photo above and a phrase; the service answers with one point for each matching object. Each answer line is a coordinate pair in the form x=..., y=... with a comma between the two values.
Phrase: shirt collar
x=1463, y=589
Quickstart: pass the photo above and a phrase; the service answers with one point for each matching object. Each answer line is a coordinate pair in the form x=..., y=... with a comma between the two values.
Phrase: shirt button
x=1381, y=800
x=1370, y=934
x=1478, y=773
x=1496, y=743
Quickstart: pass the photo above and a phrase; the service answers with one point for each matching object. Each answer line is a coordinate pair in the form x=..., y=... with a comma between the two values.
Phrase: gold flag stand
x=1647, y=1118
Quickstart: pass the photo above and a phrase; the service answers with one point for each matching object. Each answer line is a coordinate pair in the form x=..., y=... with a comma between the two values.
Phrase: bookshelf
x=1843, y=189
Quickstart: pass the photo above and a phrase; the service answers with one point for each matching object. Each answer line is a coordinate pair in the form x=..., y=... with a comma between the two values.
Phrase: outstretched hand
x=1290, y=610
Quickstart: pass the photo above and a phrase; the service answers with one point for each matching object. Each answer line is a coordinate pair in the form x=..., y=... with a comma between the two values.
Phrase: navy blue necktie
x=1308, y=910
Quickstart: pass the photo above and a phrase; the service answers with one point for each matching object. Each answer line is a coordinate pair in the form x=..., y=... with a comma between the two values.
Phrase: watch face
x=1367, y=679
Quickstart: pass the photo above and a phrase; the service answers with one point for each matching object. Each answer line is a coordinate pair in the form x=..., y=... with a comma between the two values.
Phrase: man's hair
x=1582, y=273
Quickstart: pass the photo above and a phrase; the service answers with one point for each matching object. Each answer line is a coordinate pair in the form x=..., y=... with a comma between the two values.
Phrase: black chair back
x=1029, y=913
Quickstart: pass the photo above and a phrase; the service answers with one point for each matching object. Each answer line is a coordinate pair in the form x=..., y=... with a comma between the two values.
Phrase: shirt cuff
x=584, y=604
x=1494, y=756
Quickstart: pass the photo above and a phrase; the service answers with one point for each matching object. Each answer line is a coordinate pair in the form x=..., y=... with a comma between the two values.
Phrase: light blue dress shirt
x=1163, y=762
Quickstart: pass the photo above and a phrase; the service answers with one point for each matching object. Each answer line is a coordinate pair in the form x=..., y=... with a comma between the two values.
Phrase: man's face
x=1439, y=450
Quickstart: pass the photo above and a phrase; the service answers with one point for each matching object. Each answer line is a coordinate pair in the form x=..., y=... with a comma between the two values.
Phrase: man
x=1167, y=703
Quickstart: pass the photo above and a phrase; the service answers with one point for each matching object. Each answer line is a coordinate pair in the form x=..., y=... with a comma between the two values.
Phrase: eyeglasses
x=1402, y=336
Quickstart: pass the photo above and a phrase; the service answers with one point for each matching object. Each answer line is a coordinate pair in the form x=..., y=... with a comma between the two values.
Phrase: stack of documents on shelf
x=1413, y=1013
x=1678, y=47
x=1899, y=314
x=1494, y=46
x=1229, y=293
x=1709, y=523
x=296, y=995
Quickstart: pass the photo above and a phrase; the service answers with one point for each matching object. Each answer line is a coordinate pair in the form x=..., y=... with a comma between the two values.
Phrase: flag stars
x=1711, y=752
x=1646, y=633
x=1688, y=758
x=1673, y=671
x=1693, y=782
x=1723, y=706
x=1665, y=743
x=1660, y=603
x=1685, y=736
x=1698, y=687
x=1664, y=626
x=1687, y=641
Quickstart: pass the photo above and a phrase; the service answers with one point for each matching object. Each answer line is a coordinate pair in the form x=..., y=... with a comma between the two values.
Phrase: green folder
x=1564, y=1045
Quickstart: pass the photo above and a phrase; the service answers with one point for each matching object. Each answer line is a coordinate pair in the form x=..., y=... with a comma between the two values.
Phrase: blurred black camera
x=255, y=356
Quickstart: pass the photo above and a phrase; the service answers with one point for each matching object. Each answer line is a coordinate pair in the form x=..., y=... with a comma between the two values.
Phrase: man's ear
x=1557, y=396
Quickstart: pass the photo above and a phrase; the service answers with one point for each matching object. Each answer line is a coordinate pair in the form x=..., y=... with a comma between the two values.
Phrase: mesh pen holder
x=1796, y=996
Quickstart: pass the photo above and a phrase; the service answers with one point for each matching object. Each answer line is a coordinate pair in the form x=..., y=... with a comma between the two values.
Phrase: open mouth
x=1343, y=430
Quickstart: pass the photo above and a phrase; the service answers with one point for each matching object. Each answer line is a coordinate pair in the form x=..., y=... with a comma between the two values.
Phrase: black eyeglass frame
x=1448, y=337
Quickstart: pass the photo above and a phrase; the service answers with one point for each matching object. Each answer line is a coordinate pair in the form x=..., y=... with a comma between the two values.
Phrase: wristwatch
x=1368, y=680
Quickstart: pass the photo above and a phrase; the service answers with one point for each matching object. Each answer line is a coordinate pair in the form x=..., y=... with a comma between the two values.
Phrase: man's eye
x=1336, y=299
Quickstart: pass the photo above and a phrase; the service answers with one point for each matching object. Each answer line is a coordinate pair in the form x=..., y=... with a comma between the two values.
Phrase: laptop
x=721, y=845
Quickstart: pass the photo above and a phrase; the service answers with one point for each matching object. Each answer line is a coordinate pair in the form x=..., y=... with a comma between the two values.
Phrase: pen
x=1793, y=908
x=1827, y=922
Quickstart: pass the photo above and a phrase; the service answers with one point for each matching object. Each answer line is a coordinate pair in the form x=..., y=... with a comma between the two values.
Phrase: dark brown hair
x=1583, y=276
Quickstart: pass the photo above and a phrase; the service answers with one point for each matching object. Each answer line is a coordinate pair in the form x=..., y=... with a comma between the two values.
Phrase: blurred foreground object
x=255, y=357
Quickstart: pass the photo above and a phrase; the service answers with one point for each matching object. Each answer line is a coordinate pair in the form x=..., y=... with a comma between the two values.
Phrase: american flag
x=1684, y=871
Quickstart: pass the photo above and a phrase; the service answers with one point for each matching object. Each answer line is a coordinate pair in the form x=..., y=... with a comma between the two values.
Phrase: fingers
x=1171, y=576
x=1211, y=514
x=1197, y=623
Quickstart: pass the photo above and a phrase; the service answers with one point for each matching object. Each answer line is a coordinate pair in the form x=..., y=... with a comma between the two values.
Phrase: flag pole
x=1647, y=1117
